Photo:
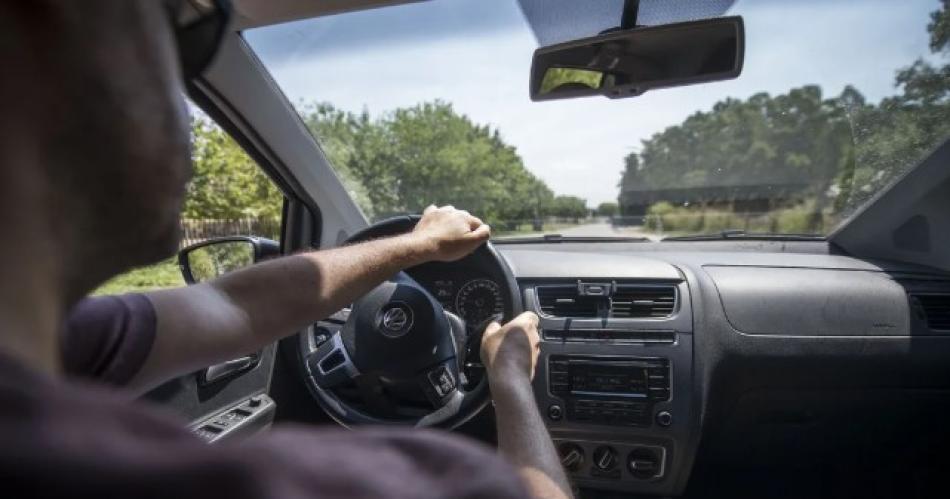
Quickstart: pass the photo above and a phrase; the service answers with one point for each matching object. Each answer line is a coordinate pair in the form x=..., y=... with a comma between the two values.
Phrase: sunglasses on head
x=199, y=26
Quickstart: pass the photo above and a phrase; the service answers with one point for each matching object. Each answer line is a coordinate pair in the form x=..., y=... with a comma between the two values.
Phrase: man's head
x=94, y=150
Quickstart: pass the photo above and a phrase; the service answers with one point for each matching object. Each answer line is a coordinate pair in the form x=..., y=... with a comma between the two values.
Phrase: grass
x=164, y=274
x=667, y=219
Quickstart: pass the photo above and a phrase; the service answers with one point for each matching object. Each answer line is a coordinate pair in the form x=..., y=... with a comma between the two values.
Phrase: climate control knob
x=572, y=456
x=605, y=458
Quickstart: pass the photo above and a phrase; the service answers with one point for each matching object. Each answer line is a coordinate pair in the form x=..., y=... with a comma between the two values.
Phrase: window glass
x=228, y=195
x=428, y=103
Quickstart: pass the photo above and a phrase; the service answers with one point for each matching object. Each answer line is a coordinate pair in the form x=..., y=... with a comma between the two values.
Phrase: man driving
x=94, y=140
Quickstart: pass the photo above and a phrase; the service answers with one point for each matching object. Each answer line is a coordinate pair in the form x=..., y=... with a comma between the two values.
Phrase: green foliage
x=554, y=78
x=939, y=27
x=607, y=209
x=794, y=138
x=213, y=260
x=412, y=157
x=161, y=275
x=665, y=218
x=567, y=207
x=842, y=147
x=227, y=184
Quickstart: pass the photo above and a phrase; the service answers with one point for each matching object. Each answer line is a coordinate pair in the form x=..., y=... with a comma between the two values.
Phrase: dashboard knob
x=605, y=458
x=643, y=463
x=572, y=456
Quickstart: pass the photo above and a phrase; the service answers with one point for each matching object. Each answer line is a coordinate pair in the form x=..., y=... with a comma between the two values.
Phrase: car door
x=229, y=195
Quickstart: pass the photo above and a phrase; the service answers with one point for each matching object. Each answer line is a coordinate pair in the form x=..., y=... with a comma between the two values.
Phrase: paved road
x=605, y=229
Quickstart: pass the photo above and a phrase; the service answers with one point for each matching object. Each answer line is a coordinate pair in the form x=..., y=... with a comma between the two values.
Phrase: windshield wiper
x=741, y=234
x=560, y=238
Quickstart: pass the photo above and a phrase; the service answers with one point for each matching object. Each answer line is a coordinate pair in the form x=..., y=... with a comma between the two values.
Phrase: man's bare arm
x=245, y=310
x=510, y=354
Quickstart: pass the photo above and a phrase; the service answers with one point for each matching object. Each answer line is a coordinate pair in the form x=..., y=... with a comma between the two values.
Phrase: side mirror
x=209, y=259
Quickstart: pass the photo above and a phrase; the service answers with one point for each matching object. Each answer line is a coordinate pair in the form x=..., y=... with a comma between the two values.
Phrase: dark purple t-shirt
x=83, y=438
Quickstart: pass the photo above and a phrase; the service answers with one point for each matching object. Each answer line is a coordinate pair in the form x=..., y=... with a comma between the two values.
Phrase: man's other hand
x=449, y=234
x=510, y=352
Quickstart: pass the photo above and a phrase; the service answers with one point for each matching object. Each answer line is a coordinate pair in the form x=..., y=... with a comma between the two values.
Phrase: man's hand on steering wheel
x=510, y=351
x=449, y=234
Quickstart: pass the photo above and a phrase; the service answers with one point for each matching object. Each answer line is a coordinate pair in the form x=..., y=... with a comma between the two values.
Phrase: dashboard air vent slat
x=630, y=301
x=564, y=301
x=626, y=301
x=936, y=309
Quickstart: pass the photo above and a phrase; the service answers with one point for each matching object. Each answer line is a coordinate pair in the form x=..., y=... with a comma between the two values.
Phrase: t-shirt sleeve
x=395, y=463
x=108, y=338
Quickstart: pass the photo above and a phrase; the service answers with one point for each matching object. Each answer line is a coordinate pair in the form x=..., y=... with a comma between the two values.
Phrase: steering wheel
x=397, y=357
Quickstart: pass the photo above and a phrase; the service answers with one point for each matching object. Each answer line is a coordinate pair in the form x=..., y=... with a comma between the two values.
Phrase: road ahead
x=605, y=230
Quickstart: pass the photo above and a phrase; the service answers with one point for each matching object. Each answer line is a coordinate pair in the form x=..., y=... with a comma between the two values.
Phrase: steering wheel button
x=442, y=381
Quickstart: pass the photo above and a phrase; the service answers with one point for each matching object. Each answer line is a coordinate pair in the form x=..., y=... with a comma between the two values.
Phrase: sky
x=476, y=54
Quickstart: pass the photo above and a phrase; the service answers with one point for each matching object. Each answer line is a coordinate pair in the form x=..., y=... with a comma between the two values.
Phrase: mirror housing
x=627, y=63
x=214, y=257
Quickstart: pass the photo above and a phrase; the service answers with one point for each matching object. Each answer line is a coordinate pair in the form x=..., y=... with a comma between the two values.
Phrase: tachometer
x=478, y=300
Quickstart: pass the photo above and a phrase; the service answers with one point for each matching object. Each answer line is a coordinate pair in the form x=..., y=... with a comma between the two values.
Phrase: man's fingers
x=474, y=222
x=429, y=209
x=492, y=328
x=481, y=233
x=529, y=317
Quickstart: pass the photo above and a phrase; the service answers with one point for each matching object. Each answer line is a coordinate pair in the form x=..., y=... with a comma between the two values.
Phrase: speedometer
x=479, y=299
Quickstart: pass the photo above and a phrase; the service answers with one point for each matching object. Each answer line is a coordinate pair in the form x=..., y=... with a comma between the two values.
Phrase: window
x=228, y=195
x=427, y=103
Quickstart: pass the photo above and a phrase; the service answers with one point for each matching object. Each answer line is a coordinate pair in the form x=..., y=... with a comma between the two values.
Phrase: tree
x=607, y=209
x=844, y=148
x=226, y=183
x=568, y=207
x=411, y=157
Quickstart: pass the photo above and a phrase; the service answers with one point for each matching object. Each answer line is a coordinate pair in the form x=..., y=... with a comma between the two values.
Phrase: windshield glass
x=428, y=103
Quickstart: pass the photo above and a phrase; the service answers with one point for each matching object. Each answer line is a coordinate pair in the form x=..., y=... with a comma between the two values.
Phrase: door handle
x=228, y=369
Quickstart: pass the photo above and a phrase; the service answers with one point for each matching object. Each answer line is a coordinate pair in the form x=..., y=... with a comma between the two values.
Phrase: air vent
x=630, y=301
x=936, y=309
x=565, y=301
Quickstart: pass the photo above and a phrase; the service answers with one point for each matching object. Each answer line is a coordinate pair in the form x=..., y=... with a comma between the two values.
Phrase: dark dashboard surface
x=782, y=369
x=805, y=365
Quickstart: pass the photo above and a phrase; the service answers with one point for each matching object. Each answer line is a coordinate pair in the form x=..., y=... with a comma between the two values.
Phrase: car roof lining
x=257, y=13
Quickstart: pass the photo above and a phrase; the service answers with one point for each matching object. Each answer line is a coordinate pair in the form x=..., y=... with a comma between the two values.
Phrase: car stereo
x=609, y=390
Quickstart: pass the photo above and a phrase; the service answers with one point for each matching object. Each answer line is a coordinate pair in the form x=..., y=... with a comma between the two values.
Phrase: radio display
x=613, y=378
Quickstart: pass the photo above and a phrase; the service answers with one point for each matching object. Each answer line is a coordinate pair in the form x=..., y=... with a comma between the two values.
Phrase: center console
x=614, y=380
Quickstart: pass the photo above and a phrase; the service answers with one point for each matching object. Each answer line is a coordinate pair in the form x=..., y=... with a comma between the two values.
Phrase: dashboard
x=668, y=367
x=685, y=368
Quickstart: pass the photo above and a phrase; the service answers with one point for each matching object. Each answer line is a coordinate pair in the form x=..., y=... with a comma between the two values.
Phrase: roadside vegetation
x=842, y=147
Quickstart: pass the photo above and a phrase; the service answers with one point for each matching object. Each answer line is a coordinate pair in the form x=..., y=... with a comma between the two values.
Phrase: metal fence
x=197, y=230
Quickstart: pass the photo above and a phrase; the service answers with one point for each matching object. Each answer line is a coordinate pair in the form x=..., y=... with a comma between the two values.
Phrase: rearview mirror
x=629, y=62
x=209, y=259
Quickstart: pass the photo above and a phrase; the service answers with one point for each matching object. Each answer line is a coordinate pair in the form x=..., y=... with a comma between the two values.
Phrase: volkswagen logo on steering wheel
x=395, y=319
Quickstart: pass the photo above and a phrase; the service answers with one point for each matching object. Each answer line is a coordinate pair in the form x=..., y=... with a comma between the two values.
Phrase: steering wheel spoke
x=330, y=365
x=440, y=382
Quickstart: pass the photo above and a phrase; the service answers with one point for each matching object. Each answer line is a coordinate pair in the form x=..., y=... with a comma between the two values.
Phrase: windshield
x=428, y=103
